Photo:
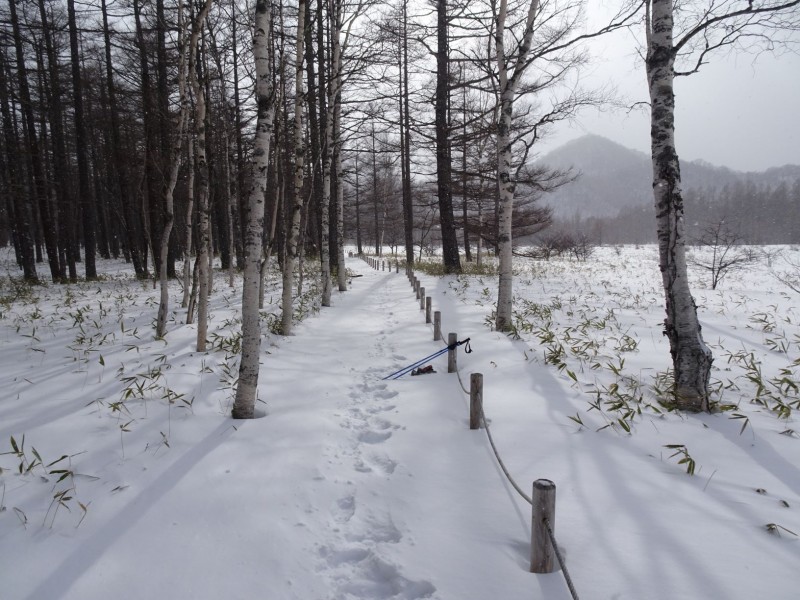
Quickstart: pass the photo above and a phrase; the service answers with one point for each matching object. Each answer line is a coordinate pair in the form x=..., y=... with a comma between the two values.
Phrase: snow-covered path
x=321, y=498
x=356, y=488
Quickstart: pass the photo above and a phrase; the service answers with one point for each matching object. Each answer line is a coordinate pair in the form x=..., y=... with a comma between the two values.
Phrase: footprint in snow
x=374, y=437
x=345, y=509
x=378, y=409
x=383, y=463
x=378, y=579
x=375, y=462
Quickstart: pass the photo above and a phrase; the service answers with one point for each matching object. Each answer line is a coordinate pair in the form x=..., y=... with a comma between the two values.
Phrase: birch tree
x=186, y=65
x=705, y=27
x=340, y=29
x=293, y=241
x=247, y=388
x=509, y=77
x=204, y=256
x=557, y=43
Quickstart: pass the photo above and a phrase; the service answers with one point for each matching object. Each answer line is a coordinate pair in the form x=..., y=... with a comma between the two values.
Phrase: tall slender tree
x=247, y=387
x=290, y=264
x=704, y=30
x=33, y=150
x=444, y=184
x=88, y=213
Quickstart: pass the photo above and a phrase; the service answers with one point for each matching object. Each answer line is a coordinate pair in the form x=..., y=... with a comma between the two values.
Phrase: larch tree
x=88, y=213
x=36, y=174
x=444, y=185
x=247, y=388
x=703, y=28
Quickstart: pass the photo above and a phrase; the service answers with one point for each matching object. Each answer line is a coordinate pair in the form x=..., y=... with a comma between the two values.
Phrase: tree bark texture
x=690, y=356
x=293, y=242
x=508, y=77
x=444, y=186
x=34, y=157
x=19, y=202
x=247, y=388
x=88, y=213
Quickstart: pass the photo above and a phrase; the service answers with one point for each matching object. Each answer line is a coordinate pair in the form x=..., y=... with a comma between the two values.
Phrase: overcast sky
x=737, y=112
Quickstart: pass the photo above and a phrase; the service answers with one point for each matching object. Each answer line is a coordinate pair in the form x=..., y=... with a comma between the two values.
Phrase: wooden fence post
x=452, y=338
x=475, y=400
x=428, y=306
x=437, y=325
x=544, y=509
x=421, y=298
x=416, y=287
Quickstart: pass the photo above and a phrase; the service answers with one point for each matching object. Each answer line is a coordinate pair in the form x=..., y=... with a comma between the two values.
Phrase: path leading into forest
x=351, y=487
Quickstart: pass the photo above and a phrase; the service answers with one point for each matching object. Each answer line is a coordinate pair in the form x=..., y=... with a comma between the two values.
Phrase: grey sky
x=737, y=111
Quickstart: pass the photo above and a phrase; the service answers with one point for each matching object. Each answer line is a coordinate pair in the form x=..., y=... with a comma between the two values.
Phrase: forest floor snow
x=355, y=487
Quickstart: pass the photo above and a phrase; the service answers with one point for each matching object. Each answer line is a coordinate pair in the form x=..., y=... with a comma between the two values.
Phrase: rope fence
x=544, y=546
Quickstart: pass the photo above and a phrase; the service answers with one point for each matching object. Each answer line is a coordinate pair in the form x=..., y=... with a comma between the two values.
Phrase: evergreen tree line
x=757, y=213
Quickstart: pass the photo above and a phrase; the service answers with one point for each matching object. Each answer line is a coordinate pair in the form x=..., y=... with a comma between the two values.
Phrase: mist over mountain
x=612, y=177
x=612, y=195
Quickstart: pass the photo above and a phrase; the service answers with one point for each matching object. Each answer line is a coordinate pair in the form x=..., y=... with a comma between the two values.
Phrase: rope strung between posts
x=513, y=483
x=399, y=373
x=560, y=559
x=503, y=467
x=505, y=470
x=524, y=496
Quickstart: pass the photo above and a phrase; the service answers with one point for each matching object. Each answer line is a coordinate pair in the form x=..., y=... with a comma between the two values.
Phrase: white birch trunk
x=185, y=67
x=293, y=241
x=247, y=387
x=325, y=203
x=329, y=190
x=203, y=251
x=172, y=179
x=229, y=206
x=187, y=256
x=341, y=269
x=691, y=357
x=508, y=82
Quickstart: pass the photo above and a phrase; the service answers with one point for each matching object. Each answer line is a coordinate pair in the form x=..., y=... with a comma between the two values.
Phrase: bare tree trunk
x=359, y=244
x=126, y=198
x=18, y=200
x=405, y=128
x=37, y=174
x=690, y=356
x=187, y=252
x=186, y=65
x=247, y=388
x=229, y=207
x=88, y=213
x=450, y=257
x=341, y=268
x=328, y=182
x=204, y=243
x=508, y=81
x=267, y=249
x=464, y=180
x=240, y=203
x=292, y=243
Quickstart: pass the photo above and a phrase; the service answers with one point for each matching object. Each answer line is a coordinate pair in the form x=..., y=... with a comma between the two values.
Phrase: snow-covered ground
x=135, y=483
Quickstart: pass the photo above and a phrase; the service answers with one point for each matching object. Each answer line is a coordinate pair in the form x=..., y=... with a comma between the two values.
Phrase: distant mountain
x=613, y=177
